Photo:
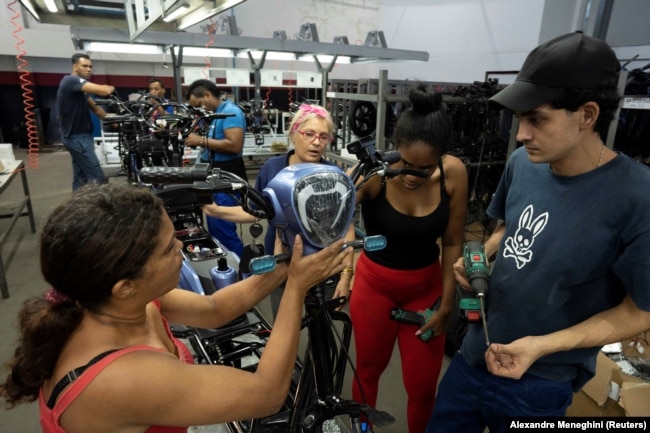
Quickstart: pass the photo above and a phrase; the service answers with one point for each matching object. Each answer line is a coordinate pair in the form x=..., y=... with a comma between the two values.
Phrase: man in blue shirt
x=73, y=105
x=572, y=247
x=223, y=146
x=157, y=88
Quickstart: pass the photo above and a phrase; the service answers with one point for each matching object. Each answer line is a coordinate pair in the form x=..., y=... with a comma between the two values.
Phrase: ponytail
x=101, y=235
x=44, y=326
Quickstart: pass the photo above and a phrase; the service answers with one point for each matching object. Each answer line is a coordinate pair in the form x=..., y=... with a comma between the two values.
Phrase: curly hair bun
x=424, y=101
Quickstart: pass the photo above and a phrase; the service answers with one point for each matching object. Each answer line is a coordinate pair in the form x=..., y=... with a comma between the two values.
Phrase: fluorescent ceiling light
x=270, y=55
x=205, y=11
x=196, y=16
x=226, y=5
x=324, y=58
x=27, y=4
x=108, y=47
x=206, y=52
x=176, y=13
x=51, y=6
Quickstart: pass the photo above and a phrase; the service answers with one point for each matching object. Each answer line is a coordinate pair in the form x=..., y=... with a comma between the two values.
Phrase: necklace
x=600, y=158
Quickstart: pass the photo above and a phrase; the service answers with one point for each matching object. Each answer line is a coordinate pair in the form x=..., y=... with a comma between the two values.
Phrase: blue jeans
x=470, y=399
x=225, y=231
x=85, y=165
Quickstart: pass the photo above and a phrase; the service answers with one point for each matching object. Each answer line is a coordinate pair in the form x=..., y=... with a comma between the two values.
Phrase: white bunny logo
x=518, y=246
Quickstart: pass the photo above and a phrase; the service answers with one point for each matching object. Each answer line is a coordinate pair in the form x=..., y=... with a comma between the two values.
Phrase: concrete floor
x=49, y=184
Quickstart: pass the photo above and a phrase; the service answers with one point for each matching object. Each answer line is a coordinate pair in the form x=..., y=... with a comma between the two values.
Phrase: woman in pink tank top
x=96, y=349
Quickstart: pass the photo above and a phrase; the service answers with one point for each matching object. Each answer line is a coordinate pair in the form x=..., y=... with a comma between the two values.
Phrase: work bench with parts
x=23, y=208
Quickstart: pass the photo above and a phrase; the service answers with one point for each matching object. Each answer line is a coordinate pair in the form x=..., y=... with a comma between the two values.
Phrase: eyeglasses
x=311, y=136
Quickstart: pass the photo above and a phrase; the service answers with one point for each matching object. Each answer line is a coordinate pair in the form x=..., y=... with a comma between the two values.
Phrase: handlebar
x=193, y=117
x=220, y=181
x=186, y=118
x=145, y=96
x=193, y=186
x=196, y=179
x=101, y=101
x=136, y=108
x=261, y=265
x=166, y=175
x=373, y=163
x=122, y=119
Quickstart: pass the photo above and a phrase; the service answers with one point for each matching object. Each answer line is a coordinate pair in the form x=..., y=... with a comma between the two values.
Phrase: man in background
x=157, y=89
x=73, y=106
x=223, y=146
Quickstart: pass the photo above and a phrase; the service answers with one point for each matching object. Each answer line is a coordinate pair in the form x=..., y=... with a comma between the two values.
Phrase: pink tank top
x=51, y=418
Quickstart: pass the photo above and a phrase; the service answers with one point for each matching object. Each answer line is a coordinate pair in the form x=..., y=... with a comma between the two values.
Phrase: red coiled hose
x=267, y=96
x=26, y=84
x=212, y=29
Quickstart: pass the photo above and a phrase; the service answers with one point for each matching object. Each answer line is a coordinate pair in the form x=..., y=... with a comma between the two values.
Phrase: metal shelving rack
x=380, y=91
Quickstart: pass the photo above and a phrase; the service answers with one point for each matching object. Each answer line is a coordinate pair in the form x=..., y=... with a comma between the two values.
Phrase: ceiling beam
x=357, y=53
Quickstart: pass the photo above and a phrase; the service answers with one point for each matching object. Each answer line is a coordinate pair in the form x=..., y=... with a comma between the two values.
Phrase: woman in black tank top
x=416, y=212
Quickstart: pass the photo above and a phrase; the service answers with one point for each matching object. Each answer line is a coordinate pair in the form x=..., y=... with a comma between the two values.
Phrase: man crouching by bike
x=96, y=349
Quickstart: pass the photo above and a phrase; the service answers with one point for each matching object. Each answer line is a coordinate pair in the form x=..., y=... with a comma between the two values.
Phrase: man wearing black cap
x=572, y=247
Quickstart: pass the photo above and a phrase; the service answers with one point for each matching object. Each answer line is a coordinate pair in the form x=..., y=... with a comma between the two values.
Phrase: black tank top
x=411, y=241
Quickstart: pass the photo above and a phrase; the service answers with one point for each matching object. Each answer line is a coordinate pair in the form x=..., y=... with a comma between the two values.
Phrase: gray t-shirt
x=72, y=107
x=573, y=247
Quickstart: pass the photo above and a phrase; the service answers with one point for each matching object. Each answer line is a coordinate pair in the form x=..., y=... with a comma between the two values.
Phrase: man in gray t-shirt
x=572, y=247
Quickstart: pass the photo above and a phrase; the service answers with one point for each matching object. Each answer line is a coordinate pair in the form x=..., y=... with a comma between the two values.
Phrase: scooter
x=316, y=202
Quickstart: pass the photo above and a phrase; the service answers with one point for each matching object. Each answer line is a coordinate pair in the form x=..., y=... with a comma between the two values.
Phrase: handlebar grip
x=161, y=175
x=100, y=101
x=172, y=117
x=217, y=115
x=122, y=119
x=391, y=156
x=283, y=258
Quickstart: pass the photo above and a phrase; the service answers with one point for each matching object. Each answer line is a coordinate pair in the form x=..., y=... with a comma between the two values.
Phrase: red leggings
x=377, y=289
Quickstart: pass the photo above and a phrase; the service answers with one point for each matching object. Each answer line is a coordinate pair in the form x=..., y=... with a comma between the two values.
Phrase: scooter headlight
x=314, y=200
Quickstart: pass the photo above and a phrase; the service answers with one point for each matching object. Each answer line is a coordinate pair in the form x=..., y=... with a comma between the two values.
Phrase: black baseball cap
x=570, y=61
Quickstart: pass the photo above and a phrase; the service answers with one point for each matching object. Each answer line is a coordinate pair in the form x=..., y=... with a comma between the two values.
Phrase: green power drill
x=478, y=274
x=416, y=318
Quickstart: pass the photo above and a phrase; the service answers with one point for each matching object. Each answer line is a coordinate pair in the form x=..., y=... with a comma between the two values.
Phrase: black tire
x=362, y=118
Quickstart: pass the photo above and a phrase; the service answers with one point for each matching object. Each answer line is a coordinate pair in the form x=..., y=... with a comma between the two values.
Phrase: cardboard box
x=594, y=398
x=634, y=394
x=611, y=393
x=635, y=391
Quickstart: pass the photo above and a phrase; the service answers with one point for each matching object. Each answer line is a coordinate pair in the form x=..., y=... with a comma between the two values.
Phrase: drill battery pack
x=470, y=309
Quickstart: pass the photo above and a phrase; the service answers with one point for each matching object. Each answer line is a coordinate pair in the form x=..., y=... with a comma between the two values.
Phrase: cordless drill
x=416, y=318
x=478, y=274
